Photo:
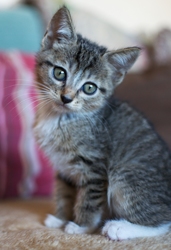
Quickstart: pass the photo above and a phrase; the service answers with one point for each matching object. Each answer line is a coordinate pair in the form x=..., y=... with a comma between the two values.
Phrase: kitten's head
x=74, y=74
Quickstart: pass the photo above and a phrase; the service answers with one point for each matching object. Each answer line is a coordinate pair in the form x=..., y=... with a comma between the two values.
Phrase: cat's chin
x=64, y=108
x=61, y=108
x=64, y=111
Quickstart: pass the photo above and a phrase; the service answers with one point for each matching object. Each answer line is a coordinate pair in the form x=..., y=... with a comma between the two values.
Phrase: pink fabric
x=24, y=170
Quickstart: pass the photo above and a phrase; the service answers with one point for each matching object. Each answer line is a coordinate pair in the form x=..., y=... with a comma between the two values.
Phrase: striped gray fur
x=110, y=162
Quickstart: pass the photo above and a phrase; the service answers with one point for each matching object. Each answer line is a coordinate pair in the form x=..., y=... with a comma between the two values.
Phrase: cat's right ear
x=60, y=30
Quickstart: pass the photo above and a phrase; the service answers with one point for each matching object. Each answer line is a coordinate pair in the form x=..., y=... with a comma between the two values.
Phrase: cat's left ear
x=60, y=30
x=123, y=59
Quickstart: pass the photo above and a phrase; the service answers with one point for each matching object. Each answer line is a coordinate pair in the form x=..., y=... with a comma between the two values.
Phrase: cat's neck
x=66, y=118
x=62, y=119
x=47, y=114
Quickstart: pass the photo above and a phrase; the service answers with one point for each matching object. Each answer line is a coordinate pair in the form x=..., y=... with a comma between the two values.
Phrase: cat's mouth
x=61, y=107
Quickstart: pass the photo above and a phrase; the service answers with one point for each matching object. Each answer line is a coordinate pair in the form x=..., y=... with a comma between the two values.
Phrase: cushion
x=21, y=28
x=24, y=169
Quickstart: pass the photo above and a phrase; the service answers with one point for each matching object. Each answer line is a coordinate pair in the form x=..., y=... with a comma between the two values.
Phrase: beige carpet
x=21, y=227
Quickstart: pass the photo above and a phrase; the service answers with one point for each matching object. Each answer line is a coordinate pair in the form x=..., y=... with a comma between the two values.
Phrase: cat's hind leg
x=142, y=207
x=122, y=229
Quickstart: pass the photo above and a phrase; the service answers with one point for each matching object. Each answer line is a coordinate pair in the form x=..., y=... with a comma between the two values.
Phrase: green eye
x=59, y=74
x=89, y=88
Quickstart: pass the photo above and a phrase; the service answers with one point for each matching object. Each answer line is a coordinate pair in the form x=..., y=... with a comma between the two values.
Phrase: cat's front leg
x=89, y=208
x=65, y=198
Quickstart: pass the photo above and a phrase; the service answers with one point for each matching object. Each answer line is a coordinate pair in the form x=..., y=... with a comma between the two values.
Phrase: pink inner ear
x=123, y=59
x=60, y=29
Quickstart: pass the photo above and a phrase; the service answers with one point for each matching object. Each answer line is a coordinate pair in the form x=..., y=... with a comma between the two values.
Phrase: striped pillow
x=24, y=170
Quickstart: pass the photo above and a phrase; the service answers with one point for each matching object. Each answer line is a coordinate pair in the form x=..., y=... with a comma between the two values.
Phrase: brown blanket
x=21, y=227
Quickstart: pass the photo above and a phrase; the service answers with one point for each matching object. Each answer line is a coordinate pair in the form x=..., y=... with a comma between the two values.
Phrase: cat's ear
x=60, y=30
x=123, y=59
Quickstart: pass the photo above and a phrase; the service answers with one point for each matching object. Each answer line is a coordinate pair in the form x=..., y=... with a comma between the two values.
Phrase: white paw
x=53, y=222
x=122, y=230
x=118, y=230
x=73, y=228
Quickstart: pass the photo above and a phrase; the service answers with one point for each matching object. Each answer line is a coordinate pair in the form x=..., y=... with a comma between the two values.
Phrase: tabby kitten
x=113, y=170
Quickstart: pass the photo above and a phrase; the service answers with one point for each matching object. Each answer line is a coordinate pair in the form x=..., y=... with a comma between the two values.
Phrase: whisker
x=47, y=115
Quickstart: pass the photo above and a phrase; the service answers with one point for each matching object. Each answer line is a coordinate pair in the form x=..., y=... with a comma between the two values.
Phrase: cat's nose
x=66, y=99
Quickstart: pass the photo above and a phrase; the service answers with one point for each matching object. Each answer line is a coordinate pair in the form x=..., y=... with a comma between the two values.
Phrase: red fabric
x=24, y=170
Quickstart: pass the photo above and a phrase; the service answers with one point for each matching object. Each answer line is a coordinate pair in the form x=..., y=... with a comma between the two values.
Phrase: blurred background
x=110, y=22
x=131, y=15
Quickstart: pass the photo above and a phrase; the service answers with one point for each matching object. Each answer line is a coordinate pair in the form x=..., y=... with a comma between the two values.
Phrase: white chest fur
x=58, y=137
x=52, y=136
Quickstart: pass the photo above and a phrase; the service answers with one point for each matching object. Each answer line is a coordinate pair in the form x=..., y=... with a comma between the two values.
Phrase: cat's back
x=134, y=139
